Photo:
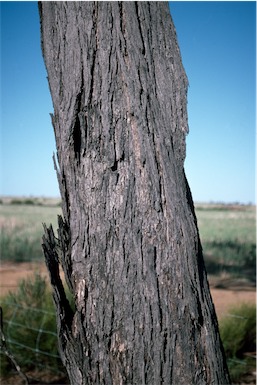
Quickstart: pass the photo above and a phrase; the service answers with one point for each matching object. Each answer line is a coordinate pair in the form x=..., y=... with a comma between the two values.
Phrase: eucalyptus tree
x=128, y=240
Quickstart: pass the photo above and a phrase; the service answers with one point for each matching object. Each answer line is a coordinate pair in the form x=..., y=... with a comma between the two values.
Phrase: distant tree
x=128, y=240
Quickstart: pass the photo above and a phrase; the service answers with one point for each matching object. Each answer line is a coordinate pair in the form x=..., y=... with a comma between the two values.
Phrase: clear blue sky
x=217, y=42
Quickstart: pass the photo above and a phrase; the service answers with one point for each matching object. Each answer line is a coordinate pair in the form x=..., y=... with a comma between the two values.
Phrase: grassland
x=21, y=228
x=227, y=233
x=228, y=238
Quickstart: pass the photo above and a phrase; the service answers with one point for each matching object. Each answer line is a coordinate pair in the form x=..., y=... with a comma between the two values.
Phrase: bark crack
x=140, y=28
x=94, y=53
x=158, y=289
x=122, y=27
x=77, y=129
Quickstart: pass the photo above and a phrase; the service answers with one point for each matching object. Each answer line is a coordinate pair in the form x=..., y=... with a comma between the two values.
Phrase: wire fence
x=8, y=324
x=30, y=336
x=31, y=332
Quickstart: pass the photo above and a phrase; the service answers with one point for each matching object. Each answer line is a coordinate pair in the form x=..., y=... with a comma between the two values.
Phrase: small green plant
x=30, y=328
x=238, y=334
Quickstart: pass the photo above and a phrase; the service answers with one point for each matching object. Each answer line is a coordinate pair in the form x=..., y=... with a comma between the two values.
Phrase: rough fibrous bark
x=128, y=241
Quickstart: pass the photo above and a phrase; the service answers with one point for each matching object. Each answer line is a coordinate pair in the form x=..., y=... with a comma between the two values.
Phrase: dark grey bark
x=128, y=241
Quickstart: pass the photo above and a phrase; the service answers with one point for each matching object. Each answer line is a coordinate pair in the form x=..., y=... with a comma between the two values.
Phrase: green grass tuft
x=238, y=334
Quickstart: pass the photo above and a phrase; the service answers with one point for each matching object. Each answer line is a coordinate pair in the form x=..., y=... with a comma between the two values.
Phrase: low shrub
x=238, y=334
x=30, y=328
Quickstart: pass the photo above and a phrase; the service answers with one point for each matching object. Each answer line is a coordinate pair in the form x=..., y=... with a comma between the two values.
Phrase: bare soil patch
x=226, y=293
x=12, y=273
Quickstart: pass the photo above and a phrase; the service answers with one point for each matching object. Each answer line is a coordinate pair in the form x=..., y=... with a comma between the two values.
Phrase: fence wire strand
x=10, y=323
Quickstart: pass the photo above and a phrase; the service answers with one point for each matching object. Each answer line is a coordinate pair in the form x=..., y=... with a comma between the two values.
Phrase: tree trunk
x=128, y=241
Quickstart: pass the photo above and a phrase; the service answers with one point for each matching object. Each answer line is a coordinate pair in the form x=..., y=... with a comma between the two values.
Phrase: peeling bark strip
x=128, y=243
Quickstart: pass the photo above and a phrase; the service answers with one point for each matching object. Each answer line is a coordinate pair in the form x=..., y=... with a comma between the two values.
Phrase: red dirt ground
x=225, y=292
